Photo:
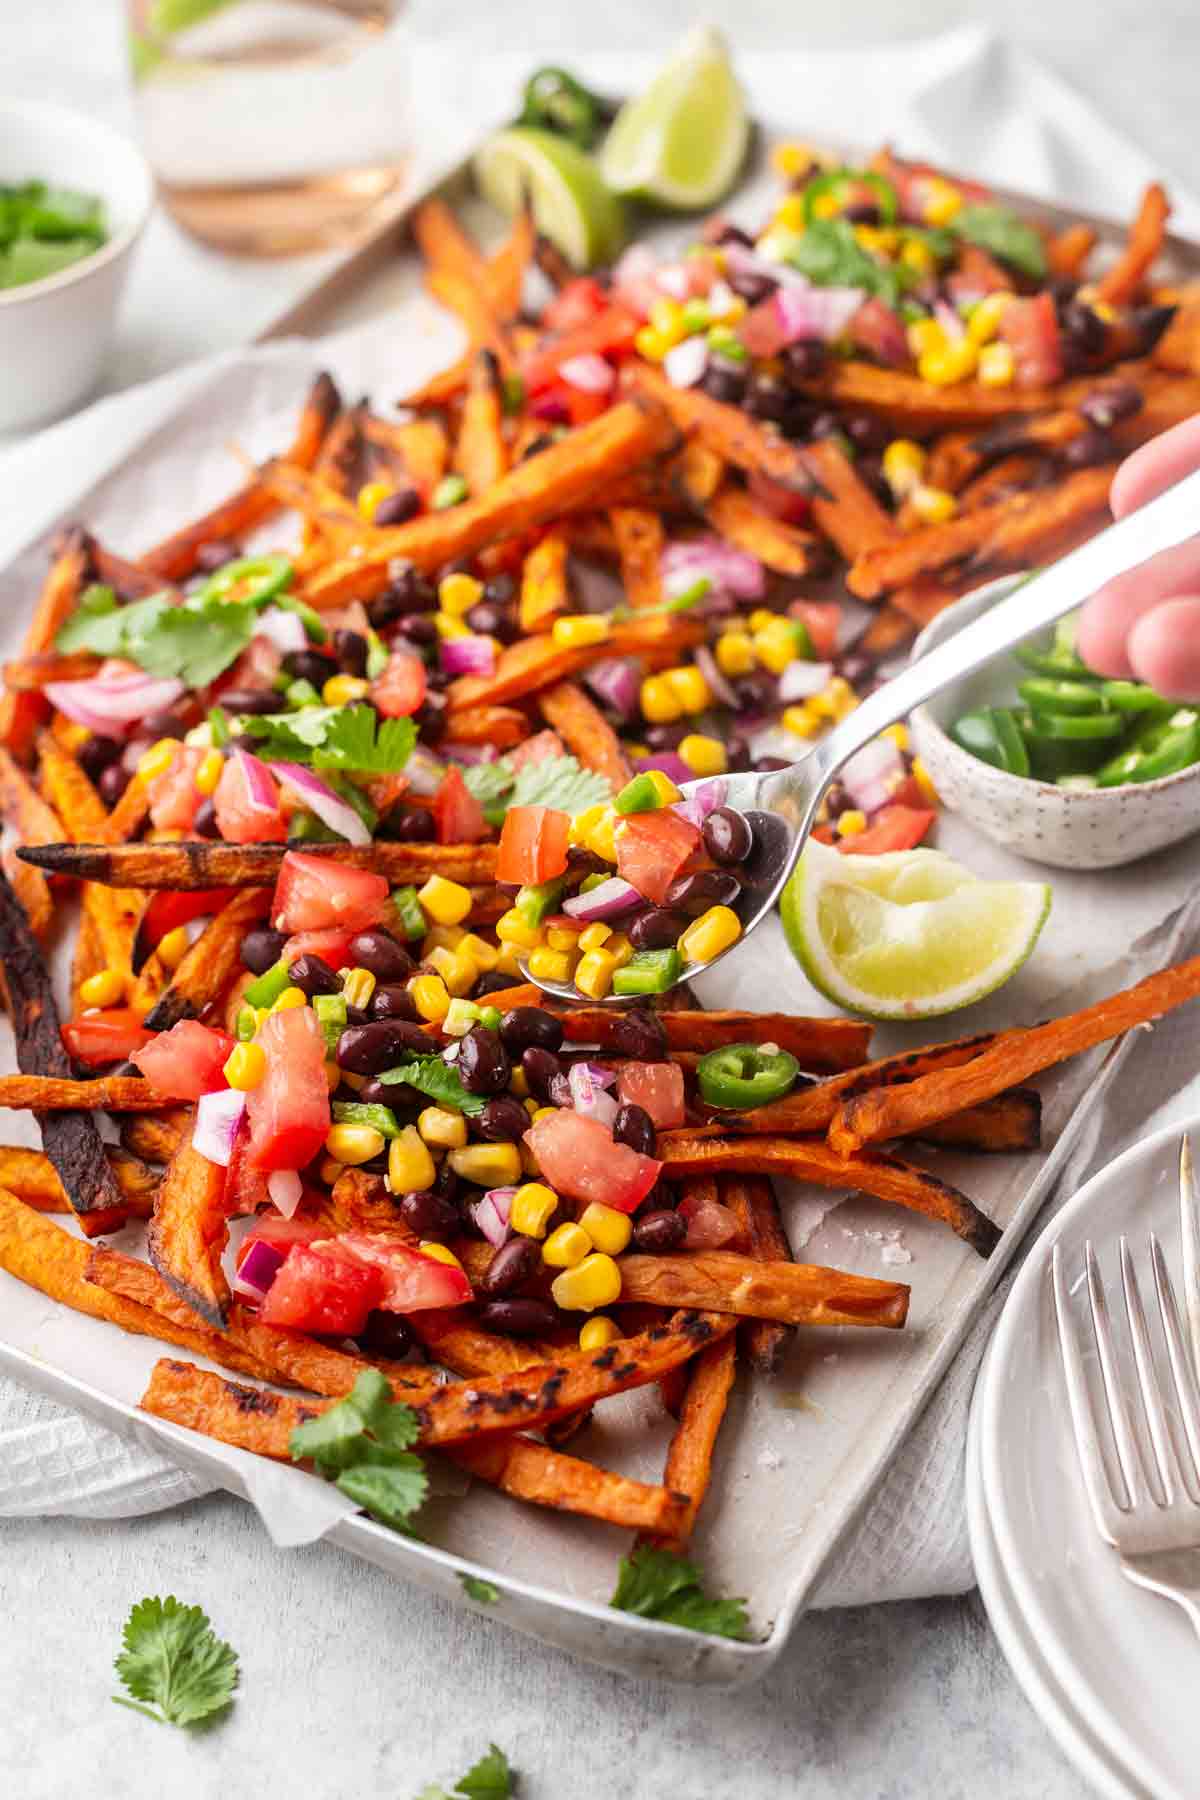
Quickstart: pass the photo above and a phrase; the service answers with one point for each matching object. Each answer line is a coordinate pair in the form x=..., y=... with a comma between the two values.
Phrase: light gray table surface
x=352, y=1683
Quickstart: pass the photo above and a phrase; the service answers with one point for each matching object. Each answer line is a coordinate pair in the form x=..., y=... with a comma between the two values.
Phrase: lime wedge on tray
x=910, y=935
x=682, y=142
x=571, y=205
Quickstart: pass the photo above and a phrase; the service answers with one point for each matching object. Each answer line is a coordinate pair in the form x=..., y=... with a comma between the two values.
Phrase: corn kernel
x=985, y=318
x=448, y=1130
x=261, y=1015
x=924, y=335
x=918, y=257
x=358, y=986
x=532, y=1209
x=509, y=962
x=841, y=697
x=458, y=973
x=666, y=318
x=578, y=631
x=997, y=365
x=245, y=1066
x=550, y=965
x=333, y=1075
x=650, y=344
x=448, y=627
x=103, y=989
x=944, y=368
x=439, y=1253
x=209, y=773
x=411, y=1169
x=943, y=202
x=596, y=1281
x=803, y=720
x=601, y=838
x=775, y=644
x=446, y=902
x=711, y=933
x=511, y=928
x=290, y=997
x=761, y=617
x=660, y=706
x=1104, y=312
x=594, y=974
x=489, y=1165
x=594, y=937
x=898, y=734
x=562, y=937
x=663, y=786
x=157, y=759
x=430, y=997
x=922, y=778
x=689, y=688
x=598, y=1333
x=851, y=822
x=826, y=206
x=343, y=690
x=442, y=937
x=619, y=948
x=354, y=1144
x=790, y=213
x=173, y=947
x=329, y=1170
x=792, y=159
x=735, y=653
x=932, y=505
x=481, y=953
x=566, y=1246
x=458, y=593
x=370, y=498
x=518, y=1083
x=703, y=755
x=543, y=1112
x=608, y=1229
x=903, y=466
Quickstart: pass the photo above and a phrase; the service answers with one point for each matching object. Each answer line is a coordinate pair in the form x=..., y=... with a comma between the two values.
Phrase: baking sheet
x=798, y=1455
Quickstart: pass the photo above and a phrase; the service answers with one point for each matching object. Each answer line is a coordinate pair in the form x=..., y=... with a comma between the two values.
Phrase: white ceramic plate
x=1126, y=1663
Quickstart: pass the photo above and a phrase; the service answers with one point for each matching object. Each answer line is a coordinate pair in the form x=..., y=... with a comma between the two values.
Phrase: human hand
x=1146, y=624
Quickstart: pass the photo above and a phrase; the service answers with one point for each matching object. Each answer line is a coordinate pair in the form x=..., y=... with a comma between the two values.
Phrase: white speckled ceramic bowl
x=1100, y=829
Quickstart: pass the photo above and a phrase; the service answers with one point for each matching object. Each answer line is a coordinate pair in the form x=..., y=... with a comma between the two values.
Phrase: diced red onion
x=109, y=704
x=720, y=298
x=590, y=373
x=260, y=1265
x=424, y=772
x=870, y=775
x=673, y=279
x=878, y=330
x=719, y=685
x=614, y=681
x=319, y=798
x=607, y=901
x=730, y=571
x=470, y=754
x=469, y=655
x=588, y=1096
x=491, y=1214
x=685, y=363
x=803, y=311
x=261, y=793
x=802, y=679
x=286, y=1190
x=696, y=808
x=710, y=1224
x=285, y=630
x=218, y=1116
x=669, y=762
x=549, y=408
x=950, y=320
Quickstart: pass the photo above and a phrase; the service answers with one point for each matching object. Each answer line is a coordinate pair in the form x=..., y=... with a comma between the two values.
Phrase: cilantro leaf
x=559, y=782
x=362, y=1444
x=174, y=1662
x=657, y=1584
x=193, y=642
x=99, y=624
x=831, y=256
x=430, y=1075
x=996, y=229
x=485, y=1592
x=350, y=740
x=492, y=1777
x=488, y=781
x=390, y=1491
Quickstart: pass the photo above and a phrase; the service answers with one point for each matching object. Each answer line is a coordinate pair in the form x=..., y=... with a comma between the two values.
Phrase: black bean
x=767, y=398
x=418, y=630
x=370, y=1049
x=737, y=752
x=445, y=1182
x=855, y=666
x=837, y=800
x=398, y=507
x=357, y=1015
x=640, y=1034
x=97, y=754
x=540, y=1066
x=519, y=1318
x=663, y=1197
x=694, y=894
x=428, y=1214
x=483, y=1064
x=861, y=212
x=430, y=717
x=1107, y=405
x=724, y=381
x=491, y=982
x=409, y=825
x=112, y=783
x=313, y=975
x=396, y=1094
x=204, y=825
x=733, y=234
x=867, y=432
x=751, y=286
x=163, y=724
x=530, y=1027
x=410, y=592
x=502, y=1121
x=667, y=737
x=1150, y=322
x=393, y=1002
x=727, y=837
x=379, y=952
x=1088, y=449
x=756, y=691
x=657, y=929
x=1085, y=330
x=262, y=949
x=309, y=665
x=386, y=1334
x=237, y=701
x=214, y=555
x=658, y=1233
x=804, y=360
x=634, y=1126
x=513, y=1265
x=350, y=648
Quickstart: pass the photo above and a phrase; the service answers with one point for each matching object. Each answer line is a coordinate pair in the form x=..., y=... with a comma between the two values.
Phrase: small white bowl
x=1100, y=828
x=55, y=334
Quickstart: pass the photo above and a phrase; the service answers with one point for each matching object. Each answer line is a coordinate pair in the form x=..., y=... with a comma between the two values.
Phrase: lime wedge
x=907, y=936
x=682, y=142
x=571, y=205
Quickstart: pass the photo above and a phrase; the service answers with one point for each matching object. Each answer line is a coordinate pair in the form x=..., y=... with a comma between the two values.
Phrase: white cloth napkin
x=972, y=102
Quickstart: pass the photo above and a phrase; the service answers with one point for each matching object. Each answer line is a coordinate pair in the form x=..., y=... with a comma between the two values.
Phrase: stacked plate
x=1114, y=1672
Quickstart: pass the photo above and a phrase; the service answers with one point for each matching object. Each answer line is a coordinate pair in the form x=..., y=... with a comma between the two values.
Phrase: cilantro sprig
x=491, y=1778
x=362, y=1445
x=192, y=642
x=175, y=1668
x=658, y=1584
x=346, y=740
x=559, y=782
x=439, y=1080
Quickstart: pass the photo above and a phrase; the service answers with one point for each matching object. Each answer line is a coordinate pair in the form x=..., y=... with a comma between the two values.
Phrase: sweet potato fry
x=640, y=539
x=128, y=579
x=481, y=455
x=696, y=472
x=21, y=714
x=1121, y=284
x=69, y=792
x=469, y=303
x=843, y=506
x=211, y=960
x=889, y=632
x=205, y=864
x=736, y=517
x=459, y=1344
x=31, y=817
x=155, y=1136
x=912, y=405
x=127, y=816
x=545, y=594
x=724, y=430
x=688, y=1468
x=1067, y=251
x=817, y=1043
x=33, y=891
x=751, y=1199
x=31, y=1176
x=507, y=266
x=908, y=1110
x=885, y=1177
x=188, y=1232
x=794, y=1293
x=503, y=726
x=537, y=662
x=585, y=731
x=530, y=1471
x=60, y=1094
x=445, y=245
x=420, y=445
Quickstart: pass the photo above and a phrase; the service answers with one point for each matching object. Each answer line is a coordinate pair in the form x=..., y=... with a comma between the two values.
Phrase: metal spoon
x=782, y=806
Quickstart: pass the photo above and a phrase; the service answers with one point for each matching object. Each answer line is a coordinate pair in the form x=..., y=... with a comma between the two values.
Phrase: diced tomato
x=895, y=828
x=580, y=1158
x=561, y=404
x=821, y=619
x=709, y=1224
x=288, y=1111
x=780, y=500
x=165, y=911
x=657, y=1087
x=876, y=329
x=610, y=332
x=400, y=690
x=763, y=330
x=257, y=667
x=272, y=1228
x=457, y=814
x=976, y=273
x=105, y=1037
x=909, y=792
x=533, y=845
x=314, y=893
x=331, y=946
x=1030, y=328
x=323, y=1288
x=652, y=848
x=541, y=747
x=246, y=1186
x=384, y=791
x=185, y=1062
x=576, y=302
x=412, y=1282
x=174, y=796
x=238, y=821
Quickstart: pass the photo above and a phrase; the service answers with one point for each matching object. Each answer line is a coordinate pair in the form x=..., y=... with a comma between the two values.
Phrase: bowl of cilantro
x=74, y=199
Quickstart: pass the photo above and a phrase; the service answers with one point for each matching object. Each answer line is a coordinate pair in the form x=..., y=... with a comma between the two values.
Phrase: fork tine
x=1182, y=1373
x=1118, y=1412
x=1087, y=1443
x=1147, y=1374
x=1189, y=1226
